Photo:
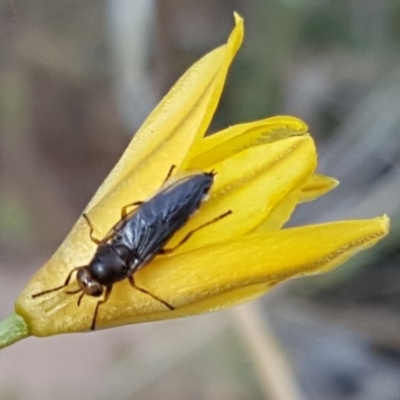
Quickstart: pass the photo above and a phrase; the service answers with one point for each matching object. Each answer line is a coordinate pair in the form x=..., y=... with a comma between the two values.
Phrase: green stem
x=12, y=329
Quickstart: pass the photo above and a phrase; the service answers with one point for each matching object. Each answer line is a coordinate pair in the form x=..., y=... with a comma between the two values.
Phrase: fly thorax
x=135, y=264
x=108, y=266
x=123, y=251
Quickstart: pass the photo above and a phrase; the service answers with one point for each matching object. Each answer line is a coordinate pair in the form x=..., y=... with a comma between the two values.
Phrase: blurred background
x=77, y=78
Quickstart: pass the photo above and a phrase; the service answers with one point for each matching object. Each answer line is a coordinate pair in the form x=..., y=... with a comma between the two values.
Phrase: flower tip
x=385, y=223
x=238, y=18
x=238, y=33
x=334, y=182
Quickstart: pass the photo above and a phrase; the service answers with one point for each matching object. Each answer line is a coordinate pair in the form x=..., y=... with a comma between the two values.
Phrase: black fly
x=138, y=237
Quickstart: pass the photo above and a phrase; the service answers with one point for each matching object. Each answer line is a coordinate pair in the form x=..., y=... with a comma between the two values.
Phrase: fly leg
x=114, y=229
x=91, y=231
x=99, y=303
x=189, y=235
x=124, y=210
x=171, y=170
x=65, y=284
x=133, y=284
x=109, y=235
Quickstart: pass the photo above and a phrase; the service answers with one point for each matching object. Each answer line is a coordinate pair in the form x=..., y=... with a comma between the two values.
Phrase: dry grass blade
x=275, y=376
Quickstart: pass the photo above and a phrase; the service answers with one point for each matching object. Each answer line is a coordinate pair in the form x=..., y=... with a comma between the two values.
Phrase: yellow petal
x=317, y=186
x=217, y=147
x=181, y=118
x=251, y=184
x=280, y=213
x=222, y=275
x=211, y=277
x=263, y=170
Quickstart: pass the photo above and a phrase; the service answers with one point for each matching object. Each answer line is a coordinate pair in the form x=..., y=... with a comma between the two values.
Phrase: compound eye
x=95, y=289
x=89, y=285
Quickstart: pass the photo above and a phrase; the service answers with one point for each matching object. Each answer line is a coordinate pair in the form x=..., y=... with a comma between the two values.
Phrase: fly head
x=88, y=283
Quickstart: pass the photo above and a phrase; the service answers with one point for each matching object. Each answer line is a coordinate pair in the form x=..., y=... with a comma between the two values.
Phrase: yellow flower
x=264, y=169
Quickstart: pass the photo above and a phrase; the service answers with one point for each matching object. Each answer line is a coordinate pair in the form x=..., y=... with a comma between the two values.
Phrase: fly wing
x=154, y=232
x=146, y=231
x=168, y=211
